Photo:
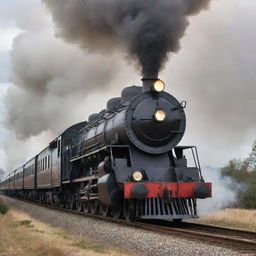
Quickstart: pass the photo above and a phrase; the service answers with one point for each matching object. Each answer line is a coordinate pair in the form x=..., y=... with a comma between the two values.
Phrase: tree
x=237, y=169
x=244, y=173
x=248, y=197
x=252, y=158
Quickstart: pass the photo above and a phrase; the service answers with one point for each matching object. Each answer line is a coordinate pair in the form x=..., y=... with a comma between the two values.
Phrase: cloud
x=55, y=85
x=3, y=131
x=215, y=73
x=10, y=10
x=48, y=81
x=7, y=35
x=1, y=172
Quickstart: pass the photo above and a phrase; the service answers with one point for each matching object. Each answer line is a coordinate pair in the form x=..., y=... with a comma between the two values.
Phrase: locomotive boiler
x=125, y=161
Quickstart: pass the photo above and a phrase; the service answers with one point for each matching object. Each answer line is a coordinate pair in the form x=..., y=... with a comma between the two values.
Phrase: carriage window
x=48, y=162
x=58, y=147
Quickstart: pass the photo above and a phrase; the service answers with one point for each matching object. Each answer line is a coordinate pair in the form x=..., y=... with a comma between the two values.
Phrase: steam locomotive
x=124, y=162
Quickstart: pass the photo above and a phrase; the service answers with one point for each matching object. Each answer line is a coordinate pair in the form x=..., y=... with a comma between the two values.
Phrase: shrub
x=3, y=207
x=248, y=197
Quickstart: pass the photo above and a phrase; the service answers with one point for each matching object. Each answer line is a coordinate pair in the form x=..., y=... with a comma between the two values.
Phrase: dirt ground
x=21, y=235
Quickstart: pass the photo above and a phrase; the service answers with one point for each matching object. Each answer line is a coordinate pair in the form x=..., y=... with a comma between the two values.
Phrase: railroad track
x=239, y=240
x=236, y=239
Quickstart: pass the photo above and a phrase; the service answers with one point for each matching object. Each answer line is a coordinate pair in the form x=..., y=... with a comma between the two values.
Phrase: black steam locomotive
x=123, y=162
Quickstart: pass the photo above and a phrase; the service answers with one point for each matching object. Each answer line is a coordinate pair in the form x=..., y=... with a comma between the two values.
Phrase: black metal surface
x=133, y=123
x=156, y=208
x=147, y=134
x=129, y=92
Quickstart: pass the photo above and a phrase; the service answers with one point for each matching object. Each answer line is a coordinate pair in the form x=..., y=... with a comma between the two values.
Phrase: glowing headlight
x=160, y=115
x=159, y=86
x=137, y=176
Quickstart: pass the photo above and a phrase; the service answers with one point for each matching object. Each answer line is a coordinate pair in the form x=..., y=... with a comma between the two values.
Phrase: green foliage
x=3, y=207
x=251, y=160
x=236, y=169
x=248, y=197
x=244, y=172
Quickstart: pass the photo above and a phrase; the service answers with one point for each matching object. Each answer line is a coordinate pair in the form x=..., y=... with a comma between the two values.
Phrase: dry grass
x=236, y=218
x=21, y=235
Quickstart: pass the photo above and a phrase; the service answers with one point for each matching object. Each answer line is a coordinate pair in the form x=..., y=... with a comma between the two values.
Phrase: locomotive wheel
x=116, y=212
x=40, y=198
x=71, y=205
x=94, y=206
x=129, y=210
x=86, y=207
x=104, y=209
x=79, y=205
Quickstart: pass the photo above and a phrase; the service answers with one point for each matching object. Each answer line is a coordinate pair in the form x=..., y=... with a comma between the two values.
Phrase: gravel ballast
x=133, y=239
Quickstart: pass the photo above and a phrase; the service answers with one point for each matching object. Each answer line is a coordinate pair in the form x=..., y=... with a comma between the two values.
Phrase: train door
x=56, y=163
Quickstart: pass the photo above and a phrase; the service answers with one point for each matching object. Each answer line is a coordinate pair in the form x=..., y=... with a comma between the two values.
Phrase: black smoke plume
x=146, y=30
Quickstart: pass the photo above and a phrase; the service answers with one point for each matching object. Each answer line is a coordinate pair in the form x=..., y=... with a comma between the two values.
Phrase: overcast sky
x=214, y=72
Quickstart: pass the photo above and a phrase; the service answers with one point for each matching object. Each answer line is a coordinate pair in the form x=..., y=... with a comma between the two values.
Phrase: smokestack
x=148, y=83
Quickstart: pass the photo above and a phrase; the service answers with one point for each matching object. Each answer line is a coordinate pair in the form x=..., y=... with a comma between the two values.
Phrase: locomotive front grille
x=156, y=208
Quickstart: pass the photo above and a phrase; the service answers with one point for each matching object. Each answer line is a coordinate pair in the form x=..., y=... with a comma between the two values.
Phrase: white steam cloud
x=55, y=85
x=224, y=192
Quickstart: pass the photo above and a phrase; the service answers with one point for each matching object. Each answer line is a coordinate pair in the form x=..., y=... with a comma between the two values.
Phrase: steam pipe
x=147, y=83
